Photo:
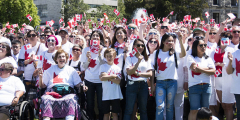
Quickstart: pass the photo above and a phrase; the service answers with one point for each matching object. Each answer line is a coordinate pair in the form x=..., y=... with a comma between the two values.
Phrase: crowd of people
x=124, y=70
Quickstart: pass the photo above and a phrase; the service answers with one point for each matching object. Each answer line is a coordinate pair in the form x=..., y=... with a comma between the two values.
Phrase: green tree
x=15, y=11
x=72, y=7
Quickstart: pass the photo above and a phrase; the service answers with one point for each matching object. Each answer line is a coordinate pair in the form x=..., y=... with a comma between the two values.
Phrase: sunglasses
x=236, y=31
x=164, y=27
x=152, y=33
x=131, y=28
x=189, y=40
x=50, y=40
x=203, y=45
x=32, y=35
x=72, y=36
x=212, y=33
x=2, y=46
x=140, y=45
x=155, y=42
x=198, y=38
x=75, y=49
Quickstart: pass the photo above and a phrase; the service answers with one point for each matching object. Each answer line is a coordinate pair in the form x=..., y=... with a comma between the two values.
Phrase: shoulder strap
x=79, y=63
x=70, y=62
x=175, y=58
x=156, y=56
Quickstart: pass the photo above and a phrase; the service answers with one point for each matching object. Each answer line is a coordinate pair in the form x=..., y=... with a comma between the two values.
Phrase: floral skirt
x=61, y=107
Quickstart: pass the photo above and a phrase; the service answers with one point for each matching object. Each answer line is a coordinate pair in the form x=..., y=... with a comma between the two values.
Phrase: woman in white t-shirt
x=138, y=68
x=60, y=74
x=200, y=68
x=11, y=89
x=92, y=58
x=166, y=75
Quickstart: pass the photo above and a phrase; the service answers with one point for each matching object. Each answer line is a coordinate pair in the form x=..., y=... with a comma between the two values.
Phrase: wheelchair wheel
x=26, y=111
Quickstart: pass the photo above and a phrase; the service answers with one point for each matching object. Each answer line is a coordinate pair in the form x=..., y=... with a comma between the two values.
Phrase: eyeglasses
x=71, y=36
x=32, y=35
x=50, y=40
x=203, y=45
x=2, y=46
x=75, y=49
x=150, y=41
x=172, y=34
x=164, y=27
x=198, y=38
x=131, y=28
x=189, y=40
x=236, y=31
x=152, y=33
x=140, y=45
x=212, y=33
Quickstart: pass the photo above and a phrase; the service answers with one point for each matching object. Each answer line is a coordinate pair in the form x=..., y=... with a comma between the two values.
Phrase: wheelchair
x=22, y=111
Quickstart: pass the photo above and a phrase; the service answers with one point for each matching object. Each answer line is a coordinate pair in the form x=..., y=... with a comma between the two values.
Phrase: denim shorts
x=199, y=96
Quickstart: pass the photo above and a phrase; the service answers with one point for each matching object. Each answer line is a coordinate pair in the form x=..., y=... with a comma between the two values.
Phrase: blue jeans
x=92, y=87
x=199, y=96
x=165, y=90
x=136, y=90
x=237, y=97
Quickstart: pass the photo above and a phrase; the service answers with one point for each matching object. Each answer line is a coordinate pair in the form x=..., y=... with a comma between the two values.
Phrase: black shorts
x=5, y=110
x=115, y=106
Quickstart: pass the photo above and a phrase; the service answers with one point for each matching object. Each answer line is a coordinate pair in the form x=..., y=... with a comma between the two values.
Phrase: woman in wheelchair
x=11, y=89
x=59, y=81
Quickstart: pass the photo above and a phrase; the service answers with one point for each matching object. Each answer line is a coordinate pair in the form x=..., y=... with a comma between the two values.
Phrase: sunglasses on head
x=236, y=31
x=3, y=46
x=131, y=28
x=50, y=40
x=212, y=33
x=140, y=45
x=155, y=42
x=164, y=27
x=75, y=49
x=152, y=33
x=32, y=35
x=198, y=37
x=203, y=45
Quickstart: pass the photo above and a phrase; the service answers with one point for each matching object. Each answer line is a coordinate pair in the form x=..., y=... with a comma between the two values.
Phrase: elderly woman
x=80, y=40
x=55, y=77
x=11, y=89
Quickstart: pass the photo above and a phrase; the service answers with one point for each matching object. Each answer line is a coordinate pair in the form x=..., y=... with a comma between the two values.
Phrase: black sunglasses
x=236, y=31
x=32, y=35
x=198, y=37
x=212, y=33
x=155, y=42
x=75, y=49
x=71, y=36
x=140, y=45
x=152, y=33
x=203, y=45
x=164, y=27
x=50, y=40
x=131, y=28
x=3, y=46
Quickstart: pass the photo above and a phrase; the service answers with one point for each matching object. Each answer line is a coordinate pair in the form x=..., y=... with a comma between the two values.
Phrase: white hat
x=5, y=40
x=59, y=38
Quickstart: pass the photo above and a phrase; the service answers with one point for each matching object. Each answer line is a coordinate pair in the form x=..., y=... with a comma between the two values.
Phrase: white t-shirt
x=25, y=54
x=8, y=88
x=189, y=52
x=92, y=72
x=235, y=47
x=47, y=60
x=67, y=75
x=143, y=67
x=9, y=59
x=235, y=89
x=166, y=65
x=212, y=46
x=67, y=47
x=111, y=90
x=74, y=64
x=196, y=78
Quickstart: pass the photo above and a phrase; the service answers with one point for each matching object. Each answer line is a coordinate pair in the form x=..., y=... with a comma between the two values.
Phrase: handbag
x=62, y=89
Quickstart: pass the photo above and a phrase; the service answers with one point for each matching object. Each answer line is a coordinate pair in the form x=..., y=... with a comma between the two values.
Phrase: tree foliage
x=15, y=11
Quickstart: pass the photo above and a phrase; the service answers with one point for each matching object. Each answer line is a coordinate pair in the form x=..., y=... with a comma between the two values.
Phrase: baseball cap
x=65, y=30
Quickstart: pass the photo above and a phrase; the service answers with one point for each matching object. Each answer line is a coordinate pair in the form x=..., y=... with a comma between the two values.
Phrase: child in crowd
x=110, y=75
x=205, y=114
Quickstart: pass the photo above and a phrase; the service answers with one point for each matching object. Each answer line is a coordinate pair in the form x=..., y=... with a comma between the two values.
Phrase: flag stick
x=29, y=22
x=115, y=18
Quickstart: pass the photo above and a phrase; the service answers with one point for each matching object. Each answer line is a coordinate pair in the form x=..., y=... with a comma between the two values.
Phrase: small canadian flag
x=105, y=15
x=202, y=22
x=164, y=19
x=116, y=12
x=144, y=10
x=212, y=20
x=218, y=50
x=225, y=41
x=107, y=21
x=207, y=14
x=27, y=46
x=78, y=17
x=89, y=20
x=231, y=15
x=37, y=57
x=95, y=42
x=217, y=73
x=133, y=37
x=171, y=13
x=187, y=17
x=14, y=25
x=24, y=24
x=134, y=51
x=61, y=20
x=124, y=20
x=29, y=17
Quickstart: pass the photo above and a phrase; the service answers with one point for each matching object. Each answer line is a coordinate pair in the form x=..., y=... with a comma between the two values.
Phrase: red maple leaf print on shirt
x=46, y=65
x=92, y=64
x=161, y=65
x=116, y=61
x=194, y=73
x=26, y=54
x=56, y=79
x=135, y=76
x=1, y=87
x=237, y=66
x=110, y=74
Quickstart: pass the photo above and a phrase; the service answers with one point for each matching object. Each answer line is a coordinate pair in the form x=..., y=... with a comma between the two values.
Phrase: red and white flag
x=144, y=10
x=102, y=20
x=136, y=21
x=93, y=25
x=12, y=30
x=218, y=50
x=124, y=20
x=105, y=16
x=187, y=17
x=24, y=24
x=14, y=25
x=78, y=17
x=49, y=23
x=107, y=21
x=212, y=20
x=37, y=57
x=116, y=12
x=89, y=20
x=231, y=15
x=29, y=17
x=171, y=13
x=207, y=14
x=202, y=22
x=95, y=42
x=164, y=19
x=133, y=37
x=134, y=51
x=225, y=41
x=61, y=20
x=205, y=29
x=27, y=46
x=217, y=73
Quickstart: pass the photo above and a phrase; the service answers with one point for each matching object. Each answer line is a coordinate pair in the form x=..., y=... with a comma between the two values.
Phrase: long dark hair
x=114, y=39
x=157, y=44
x=164, y=38
x=144, y=53
x=101, y=37
x=194, y=49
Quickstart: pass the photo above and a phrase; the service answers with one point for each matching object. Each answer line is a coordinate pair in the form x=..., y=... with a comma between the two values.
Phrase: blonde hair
x=84, y=40
x=109, y=50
